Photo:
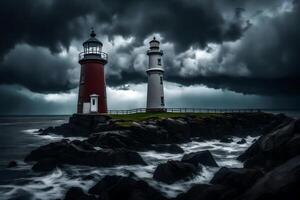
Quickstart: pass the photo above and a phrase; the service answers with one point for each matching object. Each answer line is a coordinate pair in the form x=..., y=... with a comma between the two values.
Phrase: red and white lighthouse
x=92, y=87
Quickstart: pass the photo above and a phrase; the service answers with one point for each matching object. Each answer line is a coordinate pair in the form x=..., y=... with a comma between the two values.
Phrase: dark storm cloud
x=54, y=24
x=185, y=23
x=36, y=69
x=17, y=100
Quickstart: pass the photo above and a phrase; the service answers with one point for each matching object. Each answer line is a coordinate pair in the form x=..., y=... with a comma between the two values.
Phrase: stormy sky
x=218, y=54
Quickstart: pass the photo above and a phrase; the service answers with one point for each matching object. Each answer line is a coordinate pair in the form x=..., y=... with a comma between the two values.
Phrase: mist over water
x=18, y=137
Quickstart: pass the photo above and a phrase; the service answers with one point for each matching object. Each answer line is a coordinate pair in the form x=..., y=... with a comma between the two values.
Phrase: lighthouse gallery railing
x=97, y=53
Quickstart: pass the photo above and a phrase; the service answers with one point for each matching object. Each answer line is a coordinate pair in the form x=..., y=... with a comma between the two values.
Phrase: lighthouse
x=155, y=71
x=92, y=87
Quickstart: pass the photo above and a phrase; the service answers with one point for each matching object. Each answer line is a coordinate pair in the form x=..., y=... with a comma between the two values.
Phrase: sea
x=19, y=135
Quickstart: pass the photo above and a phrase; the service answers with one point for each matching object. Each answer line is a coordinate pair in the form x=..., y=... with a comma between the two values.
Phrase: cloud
x=250, y=46
x=37, y=69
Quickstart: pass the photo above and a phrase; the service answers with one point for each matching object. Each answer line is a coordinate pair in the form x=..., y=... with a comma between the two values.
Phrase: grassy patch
x=128, y=118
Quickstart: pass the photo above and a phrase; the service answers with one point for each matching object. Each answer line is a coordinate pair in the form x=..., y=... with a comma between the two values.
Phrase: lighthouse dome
x=154, y=44
x=92, y=41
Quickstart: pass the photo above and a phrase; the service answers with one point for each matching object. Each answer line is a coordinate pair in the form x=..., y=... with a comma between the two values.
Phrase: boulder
x=238, y=178
x=272, y=149
x=178, y=130
x=280, y=183
x=76, y=193
x=208, y=192
x=45, y=165
x=66, y=152
x=173, y=171
x=12, y=164
x=242, y=141
x=226, y=139
x=118, y=187
x=202, y=157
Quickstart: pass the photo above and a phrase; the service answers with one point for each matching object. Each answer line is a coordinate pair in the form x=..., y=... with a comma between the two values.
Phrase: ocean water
x=18, y=137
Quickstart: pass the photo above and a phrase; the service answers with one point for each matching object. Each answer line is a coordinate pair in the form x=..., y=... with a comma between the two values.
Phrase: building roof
x=93, y=39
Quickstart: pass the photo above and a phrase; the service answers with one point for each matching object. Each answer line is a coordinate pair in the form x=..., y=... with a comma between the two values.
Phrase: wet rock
x=242, y=141
x=272, y=149
x=117, y=187
x=76, y=193
x=202, y=157
x=238, y=178
x=208, y=192
x=45, y=165
x=178, y=130
x=12, y=164
x=280, y=183
x=81, y=125
x=172, y=148
x=66, y=152
x=115, y=139
x=226, y=139
x=21, y=194
x=173, y=171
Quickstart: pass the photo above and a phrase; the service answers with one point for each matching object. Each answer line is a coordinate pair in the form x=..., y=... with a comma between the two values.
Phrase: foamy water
x=54, y=184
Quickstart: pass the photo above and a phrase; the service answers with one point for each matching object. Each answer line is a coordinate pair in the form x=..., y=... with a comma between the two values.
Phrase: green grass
x=157, y=115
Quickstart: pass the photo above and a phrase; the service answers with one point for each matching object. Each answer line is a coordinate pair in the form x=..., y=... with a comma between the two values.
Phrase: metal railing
x=186, y=110
x=98, y=54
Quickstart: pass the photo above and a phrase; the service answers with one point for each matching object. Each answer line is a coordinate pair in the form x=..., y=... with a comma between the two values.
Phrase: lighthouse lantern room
x=92, y=87
x=155, y=71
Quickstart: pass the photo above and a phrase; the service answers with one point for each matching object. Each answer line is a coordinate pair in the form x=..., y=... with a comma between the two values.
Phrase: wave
x=53, y=185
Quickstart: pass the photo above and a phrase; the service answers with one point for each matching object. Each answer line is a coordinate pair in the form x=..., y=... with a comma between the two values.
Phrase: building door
x=94, y=103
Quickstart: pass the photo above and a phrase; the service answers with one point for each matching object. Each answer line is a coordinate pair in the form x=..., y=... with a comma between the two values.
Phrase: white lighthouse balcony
x=92, y=54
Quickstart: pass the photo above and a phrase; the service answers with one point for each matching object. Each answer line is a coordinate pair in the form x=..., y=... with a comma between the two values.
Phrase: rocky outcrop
x=208, y=192
x=44, y=165
x=273, y=149
x=238, y=178
x=12, y=164
x=117, y=187
x=66, y=152
x=76, y=193
x=81, y=125
x=201, y=157
x=281, y=183
x=173, y=171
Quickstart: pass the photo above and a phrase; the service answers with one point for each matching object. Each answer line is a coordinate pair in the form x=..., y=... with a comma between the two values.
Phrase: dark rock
x=280, y=183
x=293, y=146
x=297, y=126
x=208, y=192
x=173, y=171
x=12, y=164
x=202, y=157
x=226, y=139
x=242, y=141
x=66, y=152
x=76, y=193
x=21, y=194
x=172, y=148
x=45, y=165
x=117, y=188
x=81, y=125
x=179, y=130
x=115, y=139
x=237, y=178
x=272, y=149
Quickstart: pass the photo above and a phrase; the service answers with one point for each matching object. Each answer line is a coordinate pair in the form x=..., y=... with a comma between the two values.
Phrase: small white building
x=155, y=71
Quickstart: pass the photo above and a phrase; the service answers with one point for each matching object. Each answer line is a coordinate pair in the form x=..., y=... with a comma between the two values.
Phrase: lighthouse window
x=162, y=101
x=159, y=61
x=93, y=101
x=161, y=80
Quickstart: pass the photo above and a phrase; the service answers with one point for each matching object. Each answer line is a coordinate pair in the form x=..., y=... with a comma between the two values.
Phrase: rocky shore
x=271, y=164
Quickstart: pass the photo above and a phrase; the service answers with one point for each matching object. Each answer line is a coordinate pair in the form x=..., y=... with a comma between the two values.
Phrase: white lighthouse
x=155, y=92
